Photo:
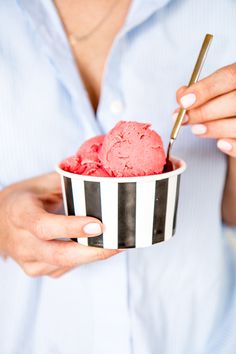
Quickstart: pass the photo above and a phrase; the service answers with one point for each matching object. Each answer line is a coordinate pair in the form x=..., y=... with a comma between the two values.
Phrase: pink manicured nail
x=175, y=115
x=188, y=100
x=224, y=145
x=92, y=229
x=199, y=129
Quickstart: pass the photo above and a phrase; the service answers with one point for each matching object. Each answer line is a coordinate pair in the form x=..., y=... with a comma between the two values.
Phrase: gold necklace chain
x=75, y=39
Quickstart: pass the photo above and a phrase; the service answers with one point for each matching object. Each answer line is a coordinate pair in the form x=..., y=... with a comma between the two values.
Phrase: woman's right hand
x=30, y=228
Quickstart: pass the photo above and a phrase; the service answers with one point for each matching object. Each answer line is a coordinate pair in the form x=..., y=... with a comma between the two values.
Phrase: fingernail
x=188, y=100
x=224, y=145
x=93, y=229
x=175, y=115
x=199, y=129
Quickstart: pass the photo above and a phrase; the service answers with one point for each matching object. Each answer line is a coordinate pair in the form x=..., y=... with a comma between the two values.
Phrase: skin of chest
x=79, y=18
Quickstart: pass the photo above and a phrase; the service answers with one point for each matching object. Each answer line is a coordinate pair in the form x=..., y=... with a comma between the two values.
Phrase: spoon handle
x=195, y=75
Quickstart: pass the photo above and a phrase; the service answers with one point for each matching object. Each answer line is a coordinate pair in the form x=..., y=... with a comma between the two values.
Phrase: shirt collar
x=53, y=41
x=41, y=10
x=140, y=11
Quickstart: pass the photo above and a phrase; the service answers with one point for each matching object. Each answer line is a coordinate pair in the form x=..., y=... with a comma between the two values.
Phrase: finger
x=46, y=226
x=175, y=115
x=222, y=128
x=50, y=226
x=29, y=214
x=71, y=254
x=227, y=146
x=37, y=269
x=181, y=91
x=218, y=83
x=217, y=108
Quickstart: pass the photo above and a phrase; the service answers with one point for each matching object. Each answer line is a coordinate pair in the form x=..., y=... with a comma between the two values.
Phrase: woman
x=70, y=70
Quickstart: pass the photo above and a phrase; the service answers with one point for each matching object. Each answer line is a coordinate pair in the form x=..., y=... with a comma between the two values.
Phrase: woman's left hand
x=211, y=108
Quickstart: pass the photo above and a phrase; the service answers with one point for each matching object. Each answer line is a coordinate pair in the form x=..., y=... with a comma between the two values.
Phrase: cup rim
x=156, y=177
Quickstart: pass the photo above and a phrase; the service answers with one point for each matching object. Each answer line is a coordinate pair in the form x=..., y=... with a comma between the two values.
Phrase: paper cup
x=136, y=211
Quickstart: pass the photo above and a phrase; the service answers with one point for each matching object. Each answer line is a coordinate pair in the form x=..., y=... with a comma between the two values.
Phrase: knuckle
x=234, y=130
x=202, y=113
x=229, y=73
x=39, y=228
x=102, y=255
x=30, y=271
x=234, y=98
x=72, y=227
x=20, y=208
x=67, y=228
x=180, y=92
x=21, y=253
x=204, y=89
x=198, y=114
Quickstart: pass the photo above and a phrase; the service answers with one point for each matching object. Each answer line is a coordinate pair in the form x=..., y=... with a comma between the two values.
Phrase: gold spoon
x=195, y=75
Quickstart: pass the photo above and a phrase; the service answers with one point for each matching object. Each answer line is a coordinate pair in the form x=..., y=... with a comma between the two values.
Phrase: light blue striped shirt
x=177, y=297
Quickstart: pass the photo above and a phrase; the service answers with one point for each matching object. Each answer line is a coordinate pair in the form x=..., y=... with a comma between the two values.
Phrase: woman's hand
x=211, y=111
x=29, y=228
x=211, y=105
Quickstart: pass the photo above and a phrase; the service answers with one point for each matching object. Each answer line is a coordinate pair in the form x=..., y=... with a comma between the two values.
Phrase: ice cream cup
x=136, y=211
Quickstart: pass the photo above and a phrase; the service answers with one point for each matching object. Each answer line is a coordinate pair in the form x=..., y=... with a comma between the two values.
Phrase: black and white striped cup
x=136, y=211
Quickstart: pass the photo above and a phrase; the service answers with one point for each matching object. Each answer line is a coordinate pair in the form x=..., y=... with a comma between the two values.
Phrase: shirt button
x=116, y=107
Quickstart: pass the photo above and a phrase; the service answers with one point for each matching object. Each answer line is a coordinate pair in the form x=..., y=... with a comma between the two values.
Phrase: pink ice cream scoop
x=72, y=164
x=86, y=161
x=129, y=149
x=90, y=148
x=132, y=149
